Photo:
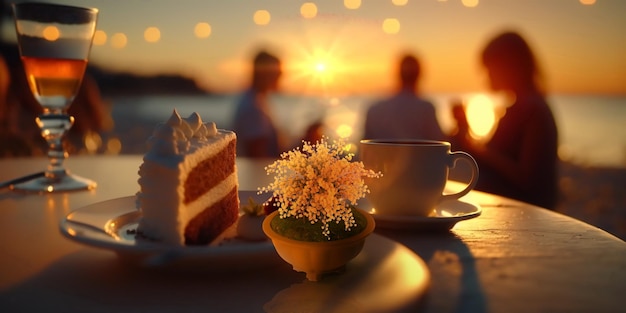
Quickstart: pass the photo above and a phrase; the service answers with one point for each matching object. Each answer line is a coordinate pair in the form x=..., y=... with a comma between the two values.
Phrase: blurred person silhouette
x=257, y=136
x=520, y=159
x=13, y=141
x=92, y=117
x=405, y=115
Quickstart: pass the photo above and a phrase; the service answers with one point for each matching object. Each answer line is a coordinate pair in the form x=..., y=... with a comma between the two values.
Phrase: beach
x=592, y=173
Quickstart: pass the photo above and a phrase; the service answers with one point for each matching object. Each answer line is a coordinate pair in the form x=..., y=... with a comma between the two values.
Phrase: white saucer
x=111, y=224
x=443, y=217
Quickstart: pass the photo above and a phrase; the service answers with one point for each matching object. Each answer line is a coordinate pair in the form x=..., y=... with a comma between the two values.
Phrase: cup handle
x=454, y=157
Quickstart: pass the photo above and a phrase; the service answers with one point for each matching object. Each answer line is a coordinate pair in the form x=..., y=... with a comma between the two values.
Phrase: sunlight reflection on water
x=590, y=127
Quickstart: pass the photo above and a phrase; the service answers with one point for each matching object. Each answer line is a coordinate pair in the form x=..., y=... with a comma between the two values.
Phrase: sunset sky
x=342, y=47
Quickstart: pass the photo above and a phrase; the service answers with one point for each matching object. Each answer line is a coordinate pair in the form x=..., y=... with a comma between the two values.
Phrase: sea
x=592, y=128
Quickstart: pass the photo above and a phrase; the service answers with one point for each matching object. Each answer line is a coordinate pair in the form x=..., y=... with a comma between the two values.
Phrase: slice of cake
x=188, y=182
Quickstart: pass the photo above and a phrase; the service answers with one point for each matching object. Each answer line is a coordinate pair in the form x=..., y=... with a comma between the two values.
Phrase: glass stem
x=54, y=126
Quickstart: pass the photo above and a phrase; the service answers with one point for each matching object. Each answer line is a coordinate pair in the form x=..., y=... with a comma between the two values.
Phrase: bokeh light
x=114, y=146
x=352, y=4
x=92, y=142
x=51, y=33
x=470, y=3
x=399, y=2
x=202, y=30
x=308, y=10
x=588, y=2
x=391, y=26
x=152, y=34
x=344, y=131
x=262, y=17
x=119, y=40
x=99, y=38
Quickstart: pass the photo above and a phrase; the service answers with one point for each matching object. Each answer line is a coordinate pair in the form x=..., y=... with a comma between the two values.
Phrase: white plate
x=110, y=224
x=444, y=217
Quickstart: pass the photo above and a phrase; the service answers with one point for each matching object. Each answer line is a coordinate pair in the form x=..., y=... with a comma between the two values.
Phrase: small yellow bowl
x=318, y=258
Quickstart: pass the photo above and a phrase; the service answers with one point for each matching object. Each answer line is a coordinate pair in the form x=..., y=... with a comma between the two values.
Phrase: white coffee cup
x=415, y=173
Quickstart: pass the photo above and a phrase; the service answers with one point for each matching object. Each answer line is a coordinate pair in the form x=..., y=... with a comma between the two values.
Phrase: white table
x=513, y=258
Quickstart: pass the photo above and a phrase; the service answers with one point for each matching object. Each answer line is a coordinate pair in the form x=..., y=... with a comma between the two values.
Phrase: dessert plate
x=443, y=217
x=111, y=225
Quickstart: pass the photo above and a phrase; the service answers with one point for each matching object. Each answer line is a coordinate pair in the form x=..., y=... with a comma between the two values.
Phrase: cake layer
x=166, y=219
x=210, y=172
x=213, y=220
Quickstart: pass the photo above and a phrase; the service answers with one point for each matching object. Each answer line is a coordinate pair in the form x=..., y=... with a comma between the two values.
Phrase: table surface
x=514, y=257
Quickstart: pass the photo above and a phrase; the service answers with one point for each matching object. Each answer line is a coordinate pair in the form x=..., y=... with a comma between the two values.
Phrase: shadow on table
x=455, y=284
x=384, y=277
x=13, y=195
x=95, y=280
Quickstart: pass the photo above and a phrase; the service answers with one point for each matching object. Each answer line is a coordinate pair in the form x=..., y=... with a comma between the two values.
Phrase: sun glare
x=318, y=69
x=481, y=116
x=328, y=59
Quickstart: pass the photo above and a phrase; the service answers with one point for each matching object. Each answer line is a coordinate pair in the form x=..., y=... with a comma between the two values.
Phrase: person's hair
x=409, y=69
x=265, y=67
x=509, y=52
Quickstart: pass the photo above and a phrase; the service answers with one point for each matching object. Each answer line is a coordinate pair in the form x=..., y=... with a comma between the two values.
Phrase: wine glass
x=54, y=42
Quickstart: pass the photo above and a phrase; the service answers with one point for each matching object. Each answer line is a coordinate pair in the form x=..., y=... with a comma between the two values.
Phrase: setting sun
x=331, y=59
x=364, y=37
x=318, y=70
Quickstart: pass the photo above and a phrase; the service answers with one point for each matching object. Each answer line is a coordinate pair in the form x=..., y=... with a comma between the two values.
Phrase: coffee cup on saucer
x=415, y=173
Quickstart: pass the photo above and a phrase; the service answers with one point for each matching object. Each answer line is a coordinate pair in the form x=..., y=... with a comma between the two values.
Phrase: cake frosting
x=188, y=182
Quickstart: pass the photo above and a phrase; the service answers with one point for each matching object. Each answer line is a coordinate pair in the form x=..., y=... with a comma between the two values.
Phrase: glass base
x=67, y=182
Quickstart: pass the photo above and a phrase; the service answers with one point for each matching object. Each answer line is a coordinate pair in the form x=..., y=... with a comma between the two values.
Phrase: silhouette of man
x=404, y=115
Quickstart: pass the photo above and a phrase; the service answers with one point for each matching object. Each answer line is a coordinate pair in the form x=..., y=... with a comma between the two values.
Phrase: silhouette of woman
x=520, y=160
